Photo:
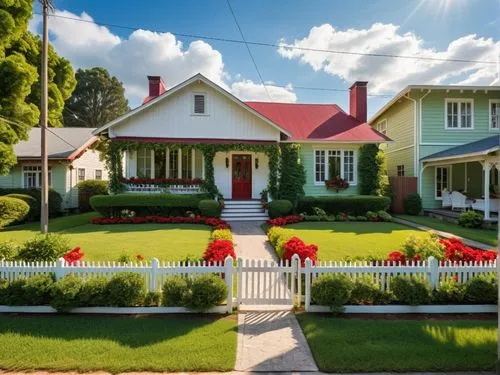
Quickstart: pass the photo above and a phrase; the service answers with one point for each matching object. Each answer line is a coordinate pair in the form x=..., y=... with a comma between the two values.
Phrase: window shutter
x=199, y=104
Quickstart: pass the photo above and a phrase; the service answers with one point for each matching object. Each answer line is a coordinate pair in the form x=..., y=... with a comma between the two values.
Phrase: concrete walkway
x=272, y=342
x=251, y=241
x=466, y=241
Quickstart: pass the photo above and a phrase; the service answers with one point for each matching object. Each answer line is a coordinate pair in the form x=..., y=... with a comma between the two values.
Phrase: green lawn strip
x=338, y=240
x=486, y=236
x=118, y=344
x=354, y=345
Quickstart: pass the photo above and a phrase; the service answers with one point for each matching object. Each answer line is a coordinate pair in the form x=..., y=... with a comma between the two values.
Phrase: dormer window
x=200, y=104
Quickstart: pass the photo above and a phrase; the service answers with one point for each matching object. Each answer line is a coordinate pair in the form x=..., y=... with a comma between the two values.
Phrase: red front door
x=242, y=176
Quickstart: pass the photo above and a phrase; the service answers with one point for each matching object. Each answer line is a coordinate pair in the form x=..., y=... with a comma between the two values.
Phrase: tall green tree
x=292, y=175
x=372, y=171
x=97, y=99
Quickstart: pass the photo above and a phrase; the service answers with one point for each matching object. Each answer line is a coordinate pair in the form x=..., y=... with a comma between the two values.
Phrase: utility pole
x=44, y=201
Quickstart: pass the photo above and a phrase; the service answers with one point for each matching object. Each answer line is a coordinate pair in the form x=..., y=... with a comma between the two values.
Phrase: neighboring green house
x=449, y=138
x=70, y=161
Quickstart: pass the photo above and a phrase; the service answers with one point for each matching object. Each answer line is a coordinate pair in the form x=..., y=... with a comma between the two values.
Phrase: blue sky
x=439, y=28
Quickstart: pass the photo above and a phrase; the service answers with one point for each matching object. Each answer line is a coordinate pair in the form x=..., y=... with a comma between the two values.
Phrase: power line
x=248, y=49
x=281, y=45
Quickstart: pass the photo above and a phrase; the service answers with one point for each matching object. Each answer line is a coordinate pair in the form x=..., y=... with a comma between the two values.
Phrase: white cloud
x=143, y=53
x=249, y=90
x=391, y=74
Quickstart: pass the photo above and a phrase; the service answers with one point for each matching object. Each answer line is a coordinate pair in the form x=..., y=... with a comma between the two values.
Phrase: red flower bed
x=399, y=257
x=218, y=251
x=73, y=256
x=296, y=246
x=216, y=223
x=284, y=220
x=456, y=250
x=163, y=181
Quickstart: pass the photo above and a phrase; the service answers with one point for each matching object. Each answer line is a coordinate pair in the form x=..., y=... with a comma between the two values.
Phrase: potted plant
x=337, y=184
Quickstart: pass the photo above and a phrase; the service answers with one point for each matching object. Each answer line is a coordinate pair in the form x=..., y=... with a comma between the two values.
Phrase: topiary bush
x=34, y=211
x=482, y=289
x=175, y=291
x=65, y=293
x=292, y=177
x=43, y=247
x=55, y=199
x=332, y=290
x=470, y=219
x=12, y=210
x=279, y=207
x=210, y=208
x=412, y=204
x=206, y=291
x=411, y=290
x=89, y=188
x=347, y=204
x=125, y=289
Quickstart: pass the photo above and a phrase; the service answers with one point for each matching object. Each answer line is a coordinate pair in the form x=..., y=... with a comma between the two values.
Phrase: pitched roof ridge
x=288, y=103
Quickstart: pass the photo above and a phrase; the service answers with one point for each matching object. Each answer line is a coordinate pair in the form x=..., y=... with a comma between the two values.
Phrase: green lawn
x=108, y=242
x=117, y=344
x=337, y=240
x=353, y=345
x=486, y=236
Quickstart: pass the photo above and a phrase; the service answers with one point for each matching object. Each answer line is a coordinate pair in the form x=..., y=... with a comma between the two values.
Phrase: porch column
x=193, y=165
x=486, y=169
x=179, y=163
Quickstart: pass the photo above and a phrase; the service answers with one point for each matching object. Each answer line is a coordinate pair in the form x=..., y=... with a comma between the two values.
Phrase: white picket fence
x=259, y=282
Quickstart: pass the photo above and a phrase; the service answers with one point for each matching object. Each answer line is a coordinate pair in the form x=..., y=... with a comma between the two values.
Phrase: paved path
x=466, y=241
x=272, y=342
x=251, y=241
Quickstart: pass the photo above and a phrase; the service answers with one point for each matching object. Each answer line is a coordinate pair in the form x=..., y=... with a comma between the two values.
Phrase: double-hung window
x=329, y=164
x=495, y=114
x=98, y=174
x=459, y=114
x=442, y=179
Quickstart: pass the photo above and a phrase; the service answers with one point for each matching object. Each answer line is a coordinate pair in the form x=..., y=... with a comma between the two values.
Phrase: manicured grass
x=353, y=345
x=117, y=344
x=108, y=242
x=338, y=240
x=486, y=236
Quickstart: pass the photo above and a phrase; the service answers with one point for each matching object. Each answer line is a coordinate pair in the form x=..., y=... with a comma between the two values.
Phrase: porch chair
x=445, y=195
x=459, y=201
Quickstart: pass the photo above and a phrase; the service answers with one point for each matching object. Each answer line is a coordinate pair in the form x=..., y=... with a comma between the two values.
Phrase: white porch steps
x=249, y=210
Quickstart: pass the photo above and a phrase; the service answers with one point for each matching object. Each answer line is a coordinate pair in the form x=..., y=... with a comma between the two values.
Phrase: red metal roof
x=318, y=122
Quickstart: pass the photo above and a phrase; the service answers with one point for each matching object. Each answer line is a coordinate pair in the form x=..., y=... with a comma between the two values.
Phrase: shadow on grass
x=131, y=228
x=133, y=332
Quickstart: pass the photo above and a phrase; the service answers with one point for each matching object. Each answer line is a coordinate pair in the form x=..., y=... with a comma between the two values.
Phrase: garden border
x=111, y=310
x=408, y=309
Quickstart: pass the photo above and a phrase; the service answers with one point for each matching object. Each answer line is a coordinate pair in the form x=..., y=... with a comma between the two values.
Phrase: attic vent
x=199, y=104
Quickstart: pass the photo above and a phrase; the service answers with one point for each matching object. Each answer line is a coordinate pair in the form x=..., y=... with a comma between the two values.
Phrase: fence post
x=228, y=272
x=433, y=272
x=307, y=274
x=59, y=271
x=155, y=264
x=240, y=282
x=296, y=268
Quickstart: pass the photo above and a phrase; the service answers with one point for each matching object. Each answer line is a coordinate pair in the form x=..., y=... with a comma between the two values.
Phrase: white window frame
x=449, y=167
x=95, y=174
x=78, y=174
x=400, y=168
x=459, y=101
x=381, y=126
x=342, y=171
x=38, y=172
x=490, y=117
x=205, y=95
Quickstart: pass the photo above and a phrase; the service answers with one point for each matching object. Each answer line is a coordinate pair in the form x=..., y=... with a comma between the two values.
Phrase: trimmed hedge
x=350, y=204
x=12, y=210
x=55, y=200
x=147, y=204
x=34, y=212
x=87, y=189
x=279, y=207
x=210, y=208
x=412, y=204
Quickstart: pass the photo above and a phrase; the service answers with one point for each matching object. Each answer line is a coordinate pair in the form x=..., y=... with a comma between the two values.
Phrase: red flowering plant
x=139, y=257
x=337, y=184
x=218, y=251
x=214, y=222
x=163, y=181
x=284, y=220
x=73, y=256
x=296, y=246
x=457, y=251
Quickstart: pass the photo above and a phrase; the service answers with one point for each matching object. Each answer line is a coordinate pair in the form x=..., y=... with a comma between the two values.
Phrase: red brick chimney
x=156, y=87
x=357, y=101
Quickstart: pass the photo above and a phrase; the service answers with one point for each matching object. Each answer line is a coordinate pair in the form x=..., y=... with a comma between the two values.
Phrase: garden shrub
x=423, y=247
x=384, y=216
x=89, y=188
x=125, y=289
x=33, y=203
x=37, y=289
x=366, y=292
x=470, y=219
x=210, y=208
x=175, y=291
x=152, y=299
x=332, y=290
x=482, y=289
x=8, y=250
x=411, y=290
x=449, y=291
x=279, y=207
x=12, y=210
x=147, y=204
x=221, y=234
x=218, y=250
x=13, y=293
x=206, y=291
x=93, y=292
x=412, y=204
x=44, y=247
x=65, y=293
x=349, y=204
x=278, y=237
x=361, y=218
x=55, y=199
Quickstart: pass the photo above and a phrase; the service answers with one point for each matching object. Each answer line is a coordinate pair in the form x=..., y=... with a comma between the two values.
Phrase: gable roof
x=482, y=147
x=196, y=78
x=318, y=123
x=62, y=143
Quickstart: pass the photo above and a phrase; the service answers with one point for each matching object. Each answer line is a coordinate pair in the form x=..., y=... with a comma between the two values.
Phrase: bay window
x=329, y=164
